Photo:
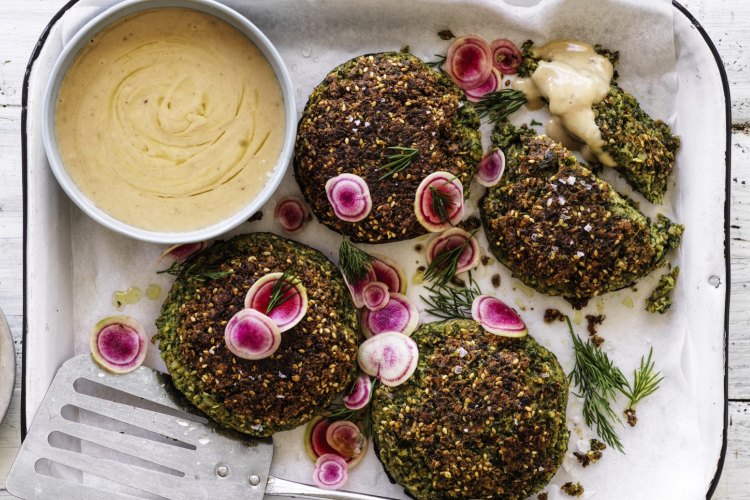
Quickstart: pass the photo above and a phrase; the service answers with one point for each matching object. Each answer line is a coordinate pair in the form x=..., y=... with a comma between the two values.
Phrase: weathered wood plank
x=735, y=481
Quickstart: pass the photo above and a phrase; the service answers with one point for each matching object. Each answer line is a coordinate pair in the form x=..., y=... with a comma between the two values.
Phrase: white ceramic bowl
x=124, y=9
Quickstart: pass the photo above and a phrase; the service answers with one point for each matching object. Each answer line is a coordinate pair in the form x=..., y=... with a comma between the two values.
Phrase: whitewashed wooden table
x=728, y=24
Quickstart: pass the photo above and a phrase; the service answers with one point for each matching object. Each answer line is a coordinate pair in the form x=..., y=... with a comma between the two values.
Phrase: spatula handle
x=283, y=488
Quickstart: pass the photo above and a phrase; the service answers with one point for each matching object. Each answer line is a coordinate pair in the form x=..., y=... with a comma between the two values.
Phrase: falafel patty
x=362, y=108
x=313, y=365
x=483, y=416
x=561, y=229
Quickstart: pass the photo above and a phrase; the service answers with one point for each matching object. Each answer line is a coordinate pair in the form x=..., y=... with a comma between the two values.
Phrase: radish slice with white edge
x=252, y=335
x=316, y=443
x=181, y=251
x=360, y=395
x=349, y=196
x=450, y=240
x=491, y=84
x=392, y=357
x=390, y=273
x=375, y=295
x=330, y=472
x=439, y=201
x=497, y=317
x=357, y=288
x=291, y=214
x=491, y=168
x=469, y=61
x=506, y=57
x=398, y=315
x=119, y=344
x=346, y=438
x=291, y=299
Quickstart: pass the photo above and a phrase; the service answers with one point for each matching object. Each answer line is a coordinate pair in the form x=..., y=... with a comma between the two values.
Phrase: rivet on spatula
x=222, y=471
x=254, y=480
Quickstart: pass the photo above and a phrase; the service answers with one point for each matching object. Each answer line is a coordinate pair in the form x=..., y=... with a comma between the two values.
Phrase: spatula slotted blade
x=98, y=435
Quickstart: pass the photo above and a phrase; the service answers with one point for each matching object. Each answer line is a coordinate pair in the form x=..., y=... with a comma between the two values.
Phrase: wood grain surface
x=728, y=24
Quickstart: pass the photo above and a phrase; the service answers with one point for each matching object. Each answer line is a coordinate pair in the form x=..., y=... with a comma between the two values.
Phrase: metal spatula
x=99, y=436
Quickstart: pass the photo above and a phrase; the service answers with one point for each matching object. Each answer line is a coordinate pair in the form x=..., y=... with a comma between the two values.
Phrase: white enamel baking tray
x=703, y=123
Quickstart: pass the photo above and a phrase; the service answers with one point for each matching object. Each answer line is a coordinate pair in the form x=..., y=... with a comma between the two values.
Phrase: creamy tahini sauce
x=572, y=77
x=170, y=120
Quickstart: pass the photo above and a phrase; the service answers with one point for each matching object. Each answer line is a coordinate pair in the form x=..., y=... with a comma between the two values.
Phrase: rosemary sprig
x=443, y=267
x=598, y=381
x=450, y=302
x=187, y=270
x=353, y=262
x=399, y=160
x=497, y=106
x=438, y=65
x=442, y=202
x=645, y=381
x=280, y=289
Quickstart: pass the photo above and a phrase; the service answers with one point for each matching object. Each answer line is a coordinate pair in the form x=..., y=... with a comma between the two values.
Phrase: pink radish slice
x=315, y=438
x=497, y=317
x=424, y=203
x=330, y=472
x=391, y=357
x=181, y=252
x=252, y=335
x=390, y=273
x=291, y=214
x=491, y=84
x=349, y=196
x=491, y=168
x=118, y=344
x=375, y=295
x=398, y=315
x=451, y=239
x=345, y=437
x=469, y=61
x=290, y=310
x=505, y=56
x=357, y=288
x=360, y=395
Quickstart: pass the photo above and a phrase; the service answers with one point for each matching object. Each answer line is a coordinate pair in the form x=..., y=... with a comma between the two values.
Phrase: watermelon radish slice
x=439, y=201
x=390, y=273
x=491, y=168
x=181, y=251
x=291, y=214
x=349, y=196
x=497, y=317
x=450, y=240
x=391, y=357
x=118, y=344
x=345, y=437
x=360, y=395
x=357, y=288
x=375, y=295
x=330, y=472
x=292, y=305
x=506, y=57
x=317, y=445
x=252, y=335
x=469, y=61
x=491, y=84
x=398, y=315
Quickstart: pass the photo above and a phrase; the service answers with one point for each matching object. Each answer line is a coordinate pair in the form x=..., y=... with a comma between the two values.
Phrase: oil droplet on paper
x=578, y=317
x=127, y=297
x=153, y=292
x=306, y=51
x=628, y=302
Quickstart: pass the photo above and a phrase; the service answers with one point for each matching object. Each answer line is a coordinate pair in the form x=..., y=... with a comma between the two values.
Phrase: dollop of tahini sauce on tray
x=170, y=120
x=572, y=77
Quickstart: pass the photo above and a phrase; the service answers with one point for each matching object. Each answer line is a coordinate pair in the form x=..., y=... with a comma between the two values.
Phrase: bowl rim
x=105, y=19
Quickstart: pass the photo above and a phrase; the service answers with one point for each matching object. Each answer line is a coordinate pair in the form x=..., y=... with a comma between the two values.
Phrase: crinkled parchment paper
x=663, y=455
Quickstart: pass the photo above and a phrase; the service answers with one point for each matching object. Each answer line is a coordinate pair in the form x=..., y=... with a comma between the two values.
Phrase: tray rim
x=727, y=211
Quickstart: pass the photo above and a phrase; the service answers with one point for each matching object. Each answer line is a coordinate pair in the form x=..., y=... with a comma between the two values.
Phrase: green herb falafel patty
x=313, y=365
x=561, y=229
x=362, y=108
x=483, y=416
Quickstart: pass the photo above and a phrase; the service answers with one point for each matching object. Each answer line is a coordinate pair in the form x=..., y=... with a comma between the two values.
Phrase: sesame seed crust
x=482, y=417
x=366, y=105
x=313, y=365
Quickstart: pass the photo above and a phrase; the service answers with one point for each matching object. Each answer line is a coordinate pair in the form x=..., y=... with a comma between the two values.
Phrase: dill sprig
x=399, y=160
x=497, y=106
x=598, y=381
x=438, y=64
x=645, y=381
x=442, y=202
x=280, y=289
x=449, y=302
x=443, y=266
x=353, y=262
x=187, y=270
